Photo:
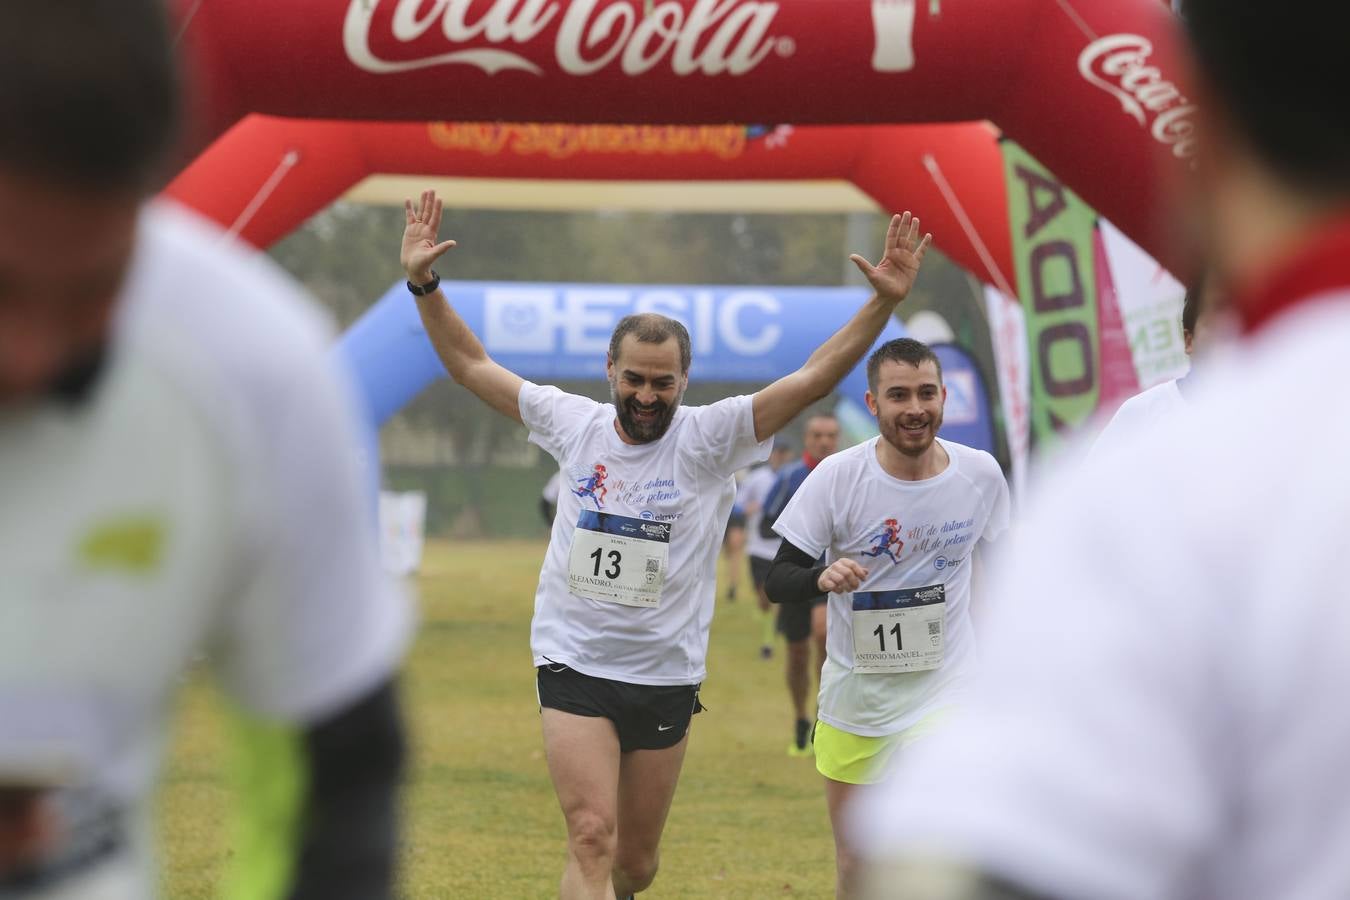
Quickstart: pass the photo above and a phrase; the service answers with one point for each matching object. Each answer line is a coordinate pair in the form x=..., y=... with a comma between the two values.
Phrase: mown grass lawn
x=481, y=819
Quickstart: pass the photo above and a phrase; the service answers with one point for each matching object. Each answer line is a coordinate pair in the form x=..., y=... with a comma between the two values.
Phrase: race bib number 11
x=899, y=631
x=619, y=560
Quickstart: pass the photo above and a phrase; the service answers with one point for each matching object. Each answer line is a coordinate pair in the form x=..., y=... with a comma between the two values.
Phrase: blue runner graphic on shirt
x=885, y=540
x=611, y=523
x=902, y=599
x=593, y=486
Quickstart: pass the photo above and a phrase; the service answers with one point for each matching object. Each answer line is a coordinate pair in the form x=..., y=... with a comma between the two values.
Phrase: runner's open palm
x=420, y=249
x=893, y=277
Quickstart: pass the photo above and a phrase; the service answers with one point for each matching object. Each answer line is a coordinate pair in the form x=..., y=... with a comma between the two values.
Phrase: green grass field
x=480, y=816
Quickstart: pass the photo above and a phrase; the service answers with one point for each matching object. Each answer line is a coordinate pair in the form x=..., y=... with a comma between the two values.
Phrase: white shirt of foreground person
x=666, y=504
x=206, y=496
x=1163, y=709
x=1151, y=408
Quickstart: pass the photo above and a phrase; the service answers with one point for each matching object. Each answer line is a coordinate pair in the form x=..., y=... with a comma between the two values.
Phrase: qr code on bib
x=653, y=565
x=934, y=628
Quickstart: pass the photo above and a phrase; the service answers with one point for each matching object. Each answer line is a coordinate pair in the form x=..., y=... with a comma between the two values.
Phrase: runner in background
x=898, y=520
x=754, y=490
x=802, y=625
x=548, y=498
x=733, y=544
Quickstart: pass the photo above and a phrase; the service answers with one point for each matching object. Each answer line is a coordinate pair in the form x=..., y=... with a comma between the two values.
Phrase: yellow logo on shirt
x=131, y=544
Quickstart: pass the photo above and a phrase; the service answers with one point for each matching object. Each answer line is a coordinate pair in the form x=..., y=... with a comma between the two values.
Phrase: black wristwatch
x=421, y=290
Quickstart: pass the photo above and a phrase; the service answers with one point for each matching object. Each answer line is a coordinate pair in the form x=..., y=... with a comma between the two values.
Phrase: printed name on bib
x=618, y=559
x=899, y=631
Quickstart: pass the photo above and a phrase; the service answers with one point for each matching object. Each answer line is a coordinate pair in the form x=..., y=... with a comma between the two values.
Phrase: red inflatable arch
x=268, y=175
x=1088, y=86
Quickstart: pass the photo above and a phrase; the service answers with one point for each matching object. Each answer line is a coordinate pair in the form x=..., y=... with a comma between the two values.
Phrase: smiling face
x=647, y=385
x=63, y=255
x=908, y=405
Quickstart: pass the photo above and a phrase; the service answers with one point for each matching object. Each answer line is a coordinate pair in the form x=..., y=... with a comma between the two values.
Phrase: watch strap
x=421, y=290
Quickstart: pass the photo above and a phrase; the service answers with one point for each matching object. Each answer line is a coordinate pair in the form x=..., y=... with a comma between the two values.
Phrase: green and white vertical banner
x=1052, y=238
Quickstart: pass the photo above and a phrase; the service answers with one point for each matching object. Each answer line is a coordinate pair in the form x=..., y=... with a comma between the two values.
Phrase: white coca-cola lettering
x=496, y=24
x=747, y=24
x=712, y=38
x=663, y=24
x=578, y=22
x=1118, y=64
x=1176, y=128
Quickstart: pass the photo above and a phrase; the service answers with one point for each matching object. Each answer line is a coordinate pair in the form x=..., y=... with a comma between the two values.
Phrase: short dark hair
x=1190, y=307
x=88, y=91
x=652, y=328
x=905, y=350
x=1279, y=74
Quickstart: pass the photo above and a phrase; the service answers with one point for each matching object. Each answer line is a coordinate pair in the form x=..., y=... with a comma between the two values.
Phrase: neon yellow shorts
x=857, y=759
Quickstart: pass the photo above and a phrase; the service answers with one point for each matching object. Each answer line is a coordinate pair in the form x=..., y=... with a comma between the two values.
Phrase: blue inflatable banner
x=560, y=332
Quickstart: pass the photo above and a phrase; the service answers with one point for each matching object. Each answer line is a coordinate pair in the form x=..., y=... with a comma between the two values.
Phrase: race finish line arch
x=899, y=167
x=1088, y=87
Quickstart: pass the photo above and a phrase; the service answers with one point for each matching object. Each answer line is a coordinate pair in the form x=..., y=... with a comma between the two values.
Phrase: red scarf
x=1320, y=265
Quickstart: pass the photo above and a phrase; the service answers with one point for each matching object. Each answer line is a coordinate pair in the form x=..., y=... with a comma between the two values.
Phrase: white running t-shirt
x=754, y=491
x=627, y=587
x=1144, y=411
x=207, y=495
x=915, y=538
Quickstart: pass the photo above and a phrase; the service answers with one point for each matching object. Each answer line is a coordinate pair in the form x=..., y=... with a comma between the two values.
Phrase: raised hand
x=420, y=249
x=842, y=577
x=893, y=277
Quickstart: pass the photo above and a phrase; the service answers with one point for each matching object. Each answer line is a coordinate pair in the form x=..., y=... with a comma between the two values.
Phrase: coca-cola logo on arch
x=1119, y=65
x=711, y=37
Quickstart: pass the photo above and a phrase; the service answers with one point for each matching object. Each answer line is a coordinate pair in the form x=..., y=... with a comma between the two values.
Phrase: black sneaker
x=801, y=746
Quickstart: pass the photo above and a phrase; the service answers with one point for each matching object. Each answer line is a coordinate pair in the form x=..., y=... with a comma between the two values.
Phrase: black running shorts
x=647, y=717
x=759, y=570
x=794, y=619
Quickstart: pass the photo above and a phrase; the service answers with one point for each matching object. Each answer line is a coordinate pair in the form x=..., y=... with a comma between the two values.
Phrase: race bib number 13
x=619, y=560
x=899, y=631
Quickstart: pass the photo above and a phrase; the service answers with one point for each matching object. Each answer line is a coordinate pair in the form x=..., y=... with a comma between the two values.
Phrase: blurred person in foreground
x=1163, y=709
x=178, y=474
